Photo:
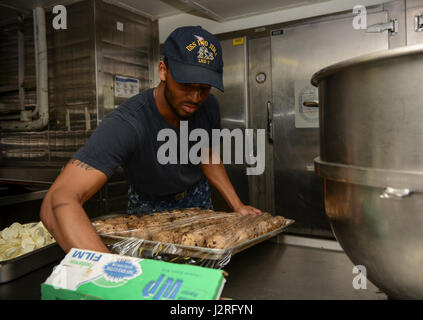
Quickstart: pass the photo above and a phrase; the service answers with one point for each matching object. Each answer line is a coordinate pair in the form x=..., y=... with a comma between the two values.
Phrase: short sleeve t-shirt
x=127, y=137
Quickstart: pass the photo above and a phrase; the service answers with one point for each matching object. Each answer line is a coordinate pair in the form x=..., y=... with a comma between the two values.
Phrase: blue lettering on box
x=151, y=288
x=86, y=255
x=78, y=254
x=168, y=290
x=97, y=258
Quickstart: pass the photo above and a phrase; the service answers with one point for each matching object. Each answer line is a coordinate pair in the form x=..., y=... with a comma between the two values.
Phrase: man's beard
x=172, y=107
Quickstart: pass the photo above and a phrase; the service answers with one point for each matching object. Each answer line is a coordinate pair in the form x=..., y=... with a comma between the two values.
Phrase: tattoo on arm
x=81, y=164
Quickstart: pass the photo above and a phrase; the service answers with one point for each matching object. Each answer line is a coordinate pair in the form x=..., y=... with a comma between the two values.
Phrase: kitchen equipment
x=14, y=268
x=371, y=159
x=296, y=142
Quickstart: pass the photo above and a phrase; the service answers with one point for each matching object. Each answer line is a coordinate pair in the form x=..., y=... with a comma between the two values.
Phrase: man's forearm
x=68, y=223
x=216, y=174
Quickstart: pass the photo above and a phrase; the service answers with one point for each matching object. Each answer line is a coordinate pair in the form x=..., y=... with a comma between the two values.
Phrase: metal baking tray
x=155, y=248
x=17, y=267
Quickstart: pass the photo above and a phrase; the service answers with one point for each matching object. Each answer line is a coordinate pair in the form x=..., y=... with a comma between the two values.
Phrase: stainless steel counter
x=288, y=267
x=294, y=268
x=27, y=287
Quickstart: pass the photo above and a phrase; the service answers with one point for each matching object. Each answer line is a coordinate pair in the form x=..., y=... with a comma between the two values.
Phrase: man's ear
x=162, y=71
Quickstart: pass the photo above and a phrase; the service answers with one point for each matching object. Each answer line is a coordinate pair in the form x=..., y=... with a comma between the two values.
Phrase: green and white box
x=84, y=274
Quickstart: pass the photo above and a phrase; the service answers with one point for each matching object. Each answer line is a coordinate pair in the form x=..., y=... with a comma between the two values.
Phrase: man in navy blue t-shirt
x=130, y=137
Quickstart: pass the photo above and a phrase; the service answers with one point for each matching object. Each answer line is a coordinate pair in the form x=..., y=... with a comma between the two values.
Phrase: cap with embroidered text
x=194, y=56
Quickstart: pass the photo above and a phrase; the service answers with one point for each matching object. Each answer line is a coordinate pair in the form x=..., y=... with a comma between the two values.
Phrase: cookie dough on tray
x=191, y=227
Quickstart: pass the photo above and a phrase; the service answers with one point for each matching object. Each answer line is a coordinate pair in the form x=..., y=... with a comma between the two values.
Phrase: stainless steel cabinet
x=297, y=53
x=267, y=80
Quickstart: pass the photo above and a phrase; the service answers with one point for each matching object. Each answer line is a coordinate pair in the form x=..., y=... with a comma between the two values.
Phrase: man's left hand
x=244, y=210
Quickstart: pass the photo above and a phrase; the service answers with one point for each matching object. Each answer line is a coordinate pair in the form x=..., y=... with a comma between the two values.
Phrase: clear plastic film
x=193, y=236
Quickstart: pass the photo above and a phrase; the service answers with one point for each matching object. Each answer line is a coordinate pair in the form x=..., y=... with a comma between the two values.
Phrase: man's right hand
x=244, y=210
x=62, y=211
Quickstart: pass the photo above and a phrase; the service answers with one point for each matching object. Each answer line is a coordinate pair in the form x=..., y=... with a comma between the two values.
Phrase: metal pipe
x=21, y=62
x=41, y=64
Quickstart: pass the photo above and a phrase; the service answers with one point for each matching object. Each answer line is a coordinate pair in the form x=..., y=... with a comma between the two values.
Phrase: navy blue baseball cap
x=194, y=56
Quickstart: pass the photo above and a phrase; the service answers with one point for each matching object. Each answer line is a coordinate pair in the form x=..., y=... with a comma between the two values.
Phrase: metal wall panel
x=405, y=12
x=75, y=55
x=72, y=105
x=83, y=60
x=9, y=64
x=72, y=112
x=127, y=51
x=296, y=55
x=396, y=11
x=414, y=8
x=233, y=112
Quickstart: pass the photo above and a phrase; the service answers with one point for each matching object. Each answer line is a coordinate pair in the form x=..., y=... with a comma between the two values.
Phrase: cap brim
x=186, y=73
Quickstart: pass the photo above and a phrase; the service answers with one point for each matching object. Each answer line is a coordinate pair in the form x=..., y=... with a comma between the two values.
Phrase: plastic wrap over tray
x=202, y=237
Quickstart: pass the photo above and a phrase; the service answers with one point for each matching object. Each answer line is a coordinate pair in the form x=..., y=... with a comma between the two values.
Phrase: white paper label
x=126, y=87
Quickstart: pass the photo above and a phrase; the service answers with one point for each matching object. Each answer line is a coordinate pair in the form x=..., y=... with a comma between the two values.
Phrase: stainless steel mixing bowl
x=371, y=159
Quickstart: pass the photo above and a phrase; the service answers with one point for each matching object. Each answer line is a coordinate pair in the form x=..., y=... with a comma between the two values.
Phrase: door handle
x=312, y=103
x=391, y=26
x=269, y=121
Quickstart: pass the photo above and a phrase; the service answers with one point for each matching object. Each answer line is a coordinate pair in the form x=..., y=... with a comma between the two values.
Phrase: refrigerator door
x=233, y=112
x=297, y=53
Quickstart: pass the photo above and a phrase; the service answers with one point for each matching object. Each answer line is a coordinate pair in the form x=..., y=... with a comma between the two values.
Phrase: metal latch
x=393, y=193
x=391, y=26
x=418, y=23
x=269, y=121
